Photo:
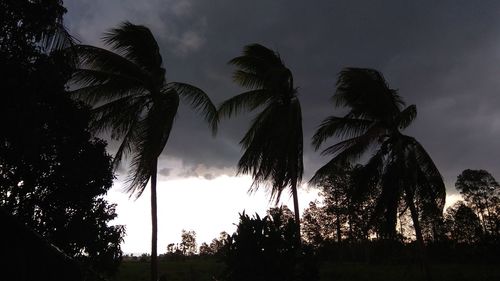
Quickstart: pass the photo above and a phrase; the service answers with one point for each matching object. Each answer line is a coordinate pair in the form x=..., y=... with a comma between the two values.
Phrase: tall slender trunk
x=420, y=239
x=154, y=224
x=296, y=211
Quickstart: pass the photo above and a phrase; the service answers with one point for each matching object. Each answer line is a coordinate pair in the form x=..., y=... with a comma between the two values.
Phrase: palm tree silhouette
x=273, y=144
x=400, y=166
x=133, y=101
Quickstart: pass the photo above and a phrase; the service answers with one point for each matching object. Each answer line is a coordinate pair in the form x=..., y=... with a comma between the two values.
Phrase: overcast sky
x=443, y=56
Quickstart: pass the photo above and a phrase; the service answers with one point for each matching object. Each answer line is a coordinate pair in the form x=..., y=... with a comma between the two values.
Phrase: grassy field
x=197, y=269
x=206, y=268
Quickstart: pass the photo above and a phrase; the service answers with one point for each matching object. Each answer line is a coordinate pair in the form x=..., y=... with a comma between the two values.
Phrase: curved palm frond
x=137, y=44
x=245, y=101
x=365, y=91
x=248, y=79
x=344, y=152
x=257, y=59
x=152, y=135
x=368, y=176
x=117, y=116
x=273, y=146
x=95, y=58
x=198, y=99
x=406, y=117
x=57, y=38
x=431, y=184
x=354, y=147
x=97, y=86
x=342, y=127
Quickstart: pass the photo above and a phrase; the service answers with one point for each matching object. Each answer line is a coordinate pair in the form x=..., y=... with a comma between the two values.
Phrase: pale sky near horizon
x=443, y=56
x=206, y=206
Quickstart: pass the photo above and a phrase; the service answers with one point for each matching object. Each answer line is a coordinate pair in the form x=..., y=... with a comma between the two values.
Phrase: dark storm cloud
x=443, y=56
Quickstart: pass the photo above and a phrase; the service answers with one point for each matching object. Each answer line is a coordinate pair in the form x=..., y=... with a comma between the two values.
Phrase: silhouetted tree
x=205, y=250
x=188, y=244
x=53, y=174
x=133, y=101
x=341, y=214
x=481, y=192
x=317, y=226
x=32, y=27
x=400, y=166
x=216, y=247
x=274, y=143
x=463, y=224
x=265, y=249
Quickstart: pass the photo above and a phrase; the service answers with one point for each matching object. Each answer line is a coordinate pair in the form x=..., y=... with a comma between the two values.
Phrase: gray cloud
x=208, y=176
x=165, y=172
x=443, y=56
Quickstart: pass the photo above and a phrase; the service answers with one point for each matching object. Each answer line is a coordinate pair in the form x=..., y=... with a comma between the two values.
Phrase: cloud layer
x=442, y=56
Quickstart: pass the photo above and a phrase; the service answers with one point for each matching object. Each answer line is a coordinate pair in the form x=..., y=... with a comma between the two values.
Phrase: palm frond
x=245, y=101
x=248, y=80
x=406, y=117
x=429, y=174
x=126, y=146
x=340, y=127
x=136, y=43
x=367, y=177
x=261, y=67
x=97, y=86
x=273, y=149
x=199, y=100
x=57, y=39
x=257, y=59
x=117, y=116
x=152, y=135
x=366, y=91
x=95, y=58
x=354, y=147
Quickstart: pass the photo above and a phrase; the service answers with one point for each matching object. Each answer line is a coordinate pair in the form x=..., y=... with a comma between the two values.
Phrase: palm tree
x=132, y=100
x=399, y=166
x=273, y=144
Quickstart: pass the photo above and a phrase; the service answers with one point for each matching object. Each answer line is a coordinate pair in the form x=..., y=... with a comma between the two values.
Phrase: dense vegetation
x=53, y=172
x=382, y=195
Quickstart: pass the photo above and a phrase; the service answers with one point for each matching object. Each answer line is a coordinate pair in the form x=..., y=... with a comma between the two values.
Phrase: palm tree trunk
x=154, y=224
x=420, y=238
x=296, y=210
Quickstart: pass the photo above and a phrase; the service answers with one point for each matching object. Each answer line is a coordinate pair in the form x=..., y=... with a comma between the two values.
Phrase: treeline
x=345, y=217
x=341, y=229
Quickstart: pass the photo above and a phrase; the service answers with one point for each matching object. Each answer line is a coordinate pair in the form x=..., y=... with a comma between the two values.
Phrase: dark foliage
x=265, y=249
x=30, y=27
x=399, y=166
x=53, y=173
x=132, y=101
x=462, y=224
x=481, y=193
x=274, y=142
